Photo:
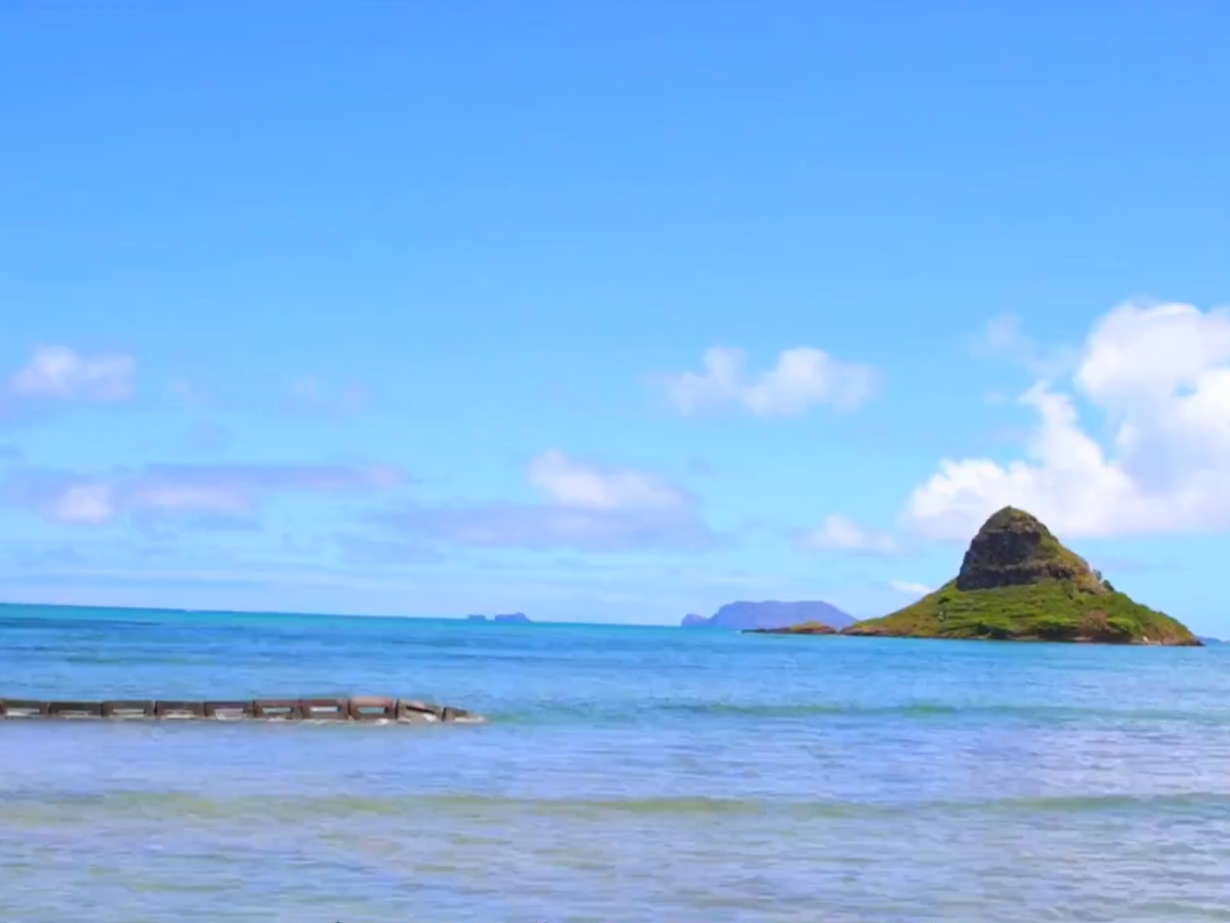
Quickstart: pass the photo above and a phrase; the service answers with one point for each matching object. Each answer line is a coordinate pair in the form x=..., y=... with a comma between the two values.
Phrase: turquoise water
x=628, y=775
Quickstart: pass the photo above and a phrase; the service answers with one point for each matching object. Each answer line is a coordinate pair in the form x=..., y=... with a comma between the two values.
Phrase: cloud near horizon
x=1159, y=377
x=200, y=493
x=585, y=506
x=803, y=377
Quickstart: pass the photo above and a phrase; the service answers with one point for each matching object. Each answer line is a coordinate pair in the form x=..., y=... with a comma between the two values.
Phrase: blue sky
x=608, y=311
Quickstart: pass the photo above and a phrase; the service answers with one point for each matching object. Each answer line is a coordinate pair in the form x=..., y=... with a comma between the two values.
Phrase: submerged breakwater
x=355, y=708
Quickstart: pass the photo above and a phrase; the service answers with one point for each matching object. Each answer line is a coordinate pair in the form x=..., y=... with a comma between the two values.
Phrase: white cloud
x=802, y=377
x=170, y=497
x=90, y=504
x=840, y=533
x=908, y=588
x=61, y=373
x=1160, y=378
x=584, y=506
x=575, y=484
x=186, y=492
x=309, y=395
x=186, y=392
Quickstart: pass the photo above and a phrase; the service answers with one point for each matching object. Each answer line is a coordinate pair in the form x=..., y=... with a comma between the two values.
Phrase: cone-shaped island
x=1018, y=583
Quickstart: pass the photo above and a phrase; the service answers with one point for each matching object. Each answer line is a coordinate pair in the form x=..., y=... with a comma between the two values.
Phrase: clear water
x=628, y=775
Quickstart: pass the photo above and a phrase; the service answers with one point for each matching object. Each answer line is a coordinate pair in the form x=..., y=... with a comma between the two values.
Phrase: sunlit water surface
x=628, y=775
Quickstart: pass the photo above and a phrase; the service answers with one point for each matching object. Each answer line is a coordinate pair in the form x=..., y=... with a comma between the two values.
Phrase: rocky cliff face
x=1014, y=549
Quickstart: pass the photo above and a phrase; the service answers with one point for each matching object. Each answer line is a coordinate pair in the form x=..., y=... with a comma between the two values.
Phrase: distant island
x=1019, y=583
x=749, y=616
x=518, y=617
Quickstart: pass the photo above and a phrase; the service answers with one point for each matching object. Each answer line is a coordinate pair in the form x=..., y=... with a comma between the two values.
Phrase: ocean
x=627, y=775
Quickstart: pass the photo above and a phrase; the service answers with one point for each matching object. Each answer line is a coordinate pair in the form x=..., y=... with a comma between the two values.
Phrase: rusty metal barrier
x=325, y=709
x=74, y=709
x=276, y=709
x=23, y=708
x=415, y=711
x=356, y=708
x=372, y=708
x=175, y=709
x=127, y=709
x=228, y=711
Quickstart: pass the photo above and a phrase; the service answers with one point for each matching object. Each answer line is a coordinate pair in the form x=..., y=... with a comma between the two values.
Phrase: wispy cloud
x=580, y=485
x=1003, y=339
x=538, y=526
x=310, y=395
x=585, y=506
x=61, y=373
x=700, y=466
x=362, y=550
x=199, y=493
x=186, y=393
x=209, y=436
x=908, y=588
x=802, y=378
x=840, y=533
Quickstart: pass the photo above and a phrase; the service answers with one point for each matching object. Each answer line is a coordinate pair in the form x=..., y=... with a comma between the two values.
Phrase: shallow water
x=628, y=775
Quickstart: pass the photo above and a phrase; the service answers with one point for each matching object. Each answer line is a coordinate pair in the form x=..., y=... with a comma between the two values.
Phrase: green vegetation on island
x=1019, y=583
x=803, y=628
